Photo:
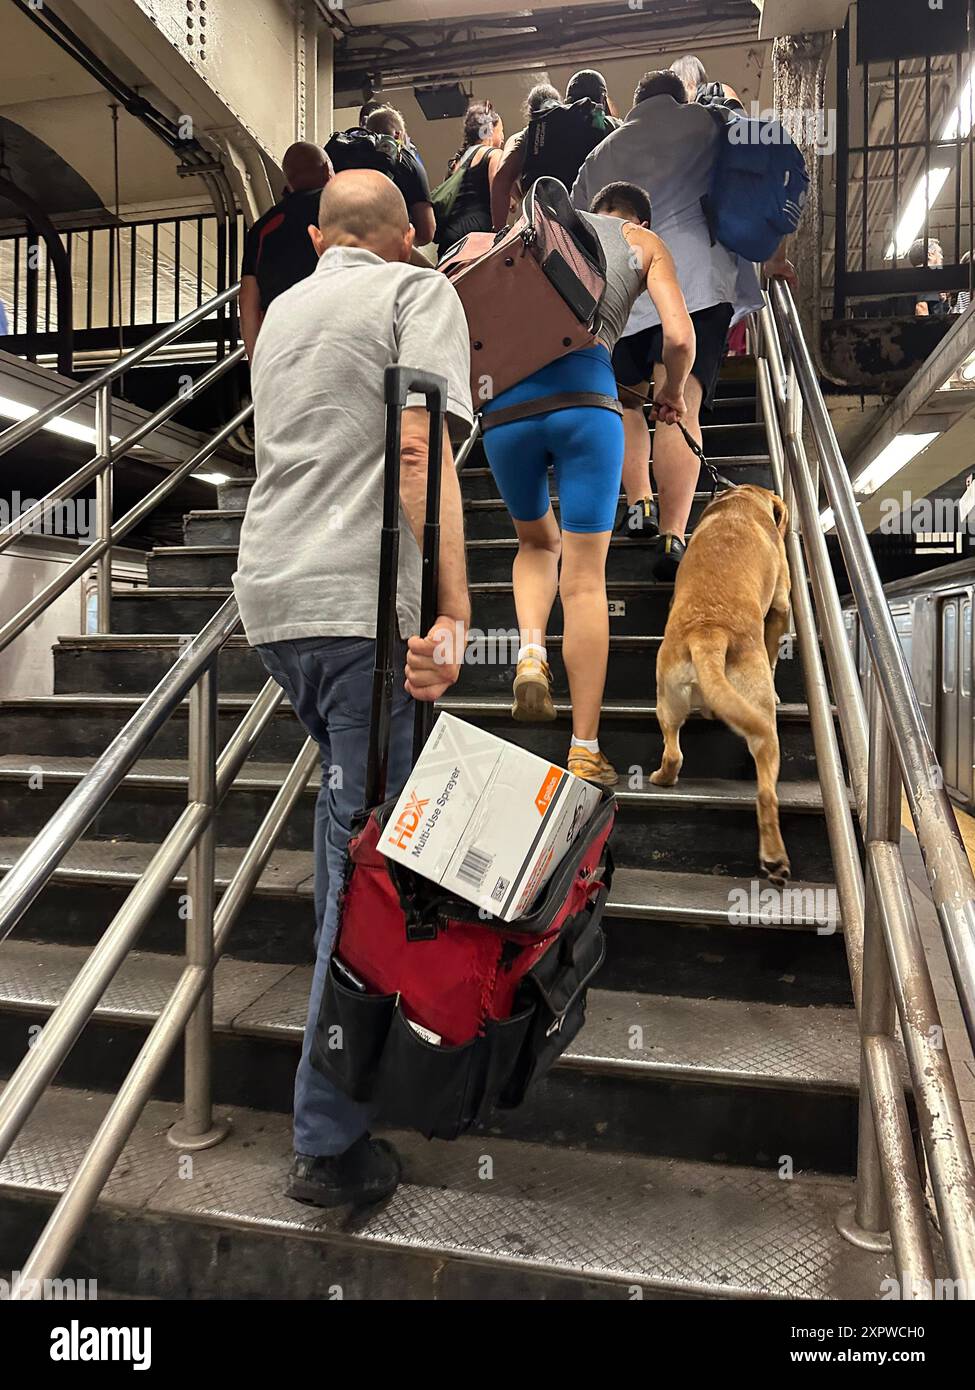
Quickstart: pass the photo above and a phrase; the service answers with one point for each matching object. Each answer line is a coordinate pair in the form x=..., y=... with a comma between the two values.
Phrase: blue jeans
x=329, y=683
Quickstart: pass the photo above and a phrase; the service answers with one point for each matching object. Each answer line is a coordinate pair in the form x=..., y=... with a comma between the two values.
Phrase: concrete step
x=637, y=607
x=702, y=825
x=477, y=482
x=552, y=1223
x=689, y=934
x=134, y=665
x=691, y=1078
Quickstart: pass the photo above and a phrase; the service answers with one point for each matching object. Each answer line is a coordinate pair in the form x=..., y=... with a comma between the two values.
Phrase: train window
x=949, y=646
x=966, y=647
x=904, y=624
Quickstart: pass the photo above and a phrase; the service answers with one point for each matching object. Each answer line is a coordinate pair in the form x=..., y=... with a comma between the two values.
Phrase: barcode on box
x=474, y=866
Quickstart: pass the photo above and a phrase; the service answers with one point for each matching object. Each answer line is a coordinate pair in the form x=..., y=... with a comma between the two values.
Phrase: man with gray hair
x=307, y=577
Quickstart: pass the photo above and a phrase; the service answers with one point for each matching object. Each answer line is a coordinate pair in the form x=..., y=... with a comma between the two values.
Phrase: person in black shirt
x=278, y=251
x=572, y=131
x=410, y=177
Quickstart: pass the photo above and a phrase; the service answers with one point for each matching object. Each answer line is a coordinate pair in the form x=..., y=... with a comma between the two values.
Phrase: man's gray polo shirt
x=309, y=546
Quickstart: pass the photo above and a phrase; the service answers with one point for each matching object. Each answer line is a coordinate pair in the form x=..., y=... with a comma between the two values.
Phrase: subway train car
x=932, y=613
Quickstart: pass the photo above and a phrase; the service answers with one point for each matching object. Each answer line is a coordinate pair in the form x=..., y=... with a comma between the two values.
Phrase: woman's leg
x=588, y=448
x=585, y=646
x=535, y=576
x=519, y=461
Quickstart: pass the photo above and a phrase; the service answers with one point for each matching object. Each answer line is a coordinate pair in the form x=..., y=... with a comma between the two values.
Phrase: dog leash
x=718, y=480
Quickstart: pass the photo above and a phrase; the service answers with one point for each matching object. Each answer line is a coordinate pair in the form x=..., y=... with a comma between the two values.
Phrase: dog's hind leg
x=752, y=678
x=673, y=707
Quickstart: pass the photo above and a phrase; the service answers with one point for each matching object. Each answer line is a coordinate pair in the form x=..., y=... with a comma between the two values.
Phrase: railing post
x=197, y=1129
x=103, y=504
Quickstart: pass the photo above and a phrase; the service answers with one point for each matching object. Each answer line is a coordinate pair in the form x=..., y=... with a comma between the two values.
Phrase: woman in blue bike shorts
x=583, y=443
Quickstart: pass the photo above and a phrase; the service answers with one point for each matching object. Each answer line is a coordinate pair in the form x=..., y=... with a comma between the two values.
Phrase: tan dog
x=730, y=608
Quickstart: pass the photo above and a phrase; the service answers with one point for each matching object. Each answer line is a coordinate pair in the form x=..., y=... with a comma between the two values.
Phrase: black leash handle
x=398, y=384
x=717, y=479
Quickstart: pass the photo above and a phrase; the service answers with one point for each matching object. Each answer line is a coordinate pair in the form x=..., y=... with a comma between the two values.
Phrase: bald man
x=277, y=251
x=308, y=569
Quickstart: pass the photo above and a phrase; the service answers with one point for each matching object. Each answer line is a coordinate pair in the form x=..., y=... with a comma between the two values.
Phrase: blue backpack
x=758, y=187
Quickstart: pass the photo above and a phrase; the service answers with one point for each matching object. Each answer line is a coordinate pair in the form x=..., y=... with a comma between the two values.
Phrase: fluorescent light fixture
x=916, y=211
x=891, y=460
x=958, y=125
x=214, y=478
x=16, y=410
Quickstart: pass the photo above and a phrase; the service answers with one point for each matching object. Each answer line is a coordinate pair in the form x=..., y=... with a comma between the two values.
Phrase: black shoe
x=367, y=1172
x=640, y=520
x=667, y=552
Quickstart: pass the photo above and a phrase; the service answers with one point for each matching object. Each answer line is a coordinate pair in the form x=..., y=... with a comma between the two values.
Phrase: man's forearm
x=452, y=598
x=678, y=360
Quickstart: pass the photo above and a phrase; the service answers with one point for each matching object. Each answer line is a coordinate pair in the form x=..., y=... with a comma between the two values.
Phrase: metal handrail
x=101, y=465
x=26, y=429
x=189, y=1009
x=888, y=966
x=948, y=869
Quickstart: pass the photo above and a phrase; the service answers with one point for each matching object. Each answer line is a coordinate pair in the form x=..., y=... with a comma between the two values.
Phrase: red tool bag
x=432, y=1010
x=531, y=294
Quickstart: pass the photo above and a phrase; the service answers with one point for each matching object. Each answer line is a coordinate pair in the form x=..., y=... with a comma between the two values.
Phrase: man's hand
x=781, y=268
x=669, y=407
x=433, y=662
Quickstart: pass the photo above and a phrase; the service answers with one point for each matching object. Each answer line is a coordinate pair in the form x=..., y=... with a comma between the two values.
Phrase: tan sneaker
x=533, y=692
x=592, y=767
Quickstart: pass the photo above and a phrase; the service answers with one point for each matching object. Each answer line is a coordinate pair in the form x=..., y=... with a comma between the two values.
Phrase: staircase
x=699, y=1136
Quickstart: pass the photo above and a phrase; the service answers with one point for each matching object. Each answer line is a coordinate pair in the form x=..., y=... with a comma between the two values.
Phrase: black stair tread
x=664, y=1224
x=500, y=705
x=666, y=896
x=120, y=863
x=482, y=706
x=804, y=797
x=721, y=461
x=649, y=894
x=682, y=1038
x=487, y=504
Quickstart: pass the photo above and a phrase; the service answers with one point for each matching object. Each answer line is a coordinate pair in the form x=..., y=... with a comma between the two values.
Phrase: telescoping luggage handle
x=399, y=383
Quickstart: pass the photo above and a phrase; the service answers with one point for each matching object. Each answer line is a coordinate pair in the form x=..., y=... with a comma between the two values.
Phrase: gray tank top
x=625, y=281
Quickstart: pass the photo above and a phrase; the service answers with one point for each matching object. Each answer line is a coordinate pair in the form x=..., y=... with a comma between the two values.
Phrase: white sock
x=533, y=650
x=591, y=745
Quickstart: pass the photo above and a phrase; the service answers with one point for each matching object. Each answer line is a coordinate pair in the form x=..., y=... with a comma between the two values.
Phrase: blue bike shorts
x=584, y=444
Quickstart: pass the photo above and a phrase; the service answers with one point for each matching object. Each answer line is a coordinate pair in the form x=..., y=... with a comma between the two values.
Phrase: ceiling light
x=897, y=455
x=214, y=478
x=70, y=429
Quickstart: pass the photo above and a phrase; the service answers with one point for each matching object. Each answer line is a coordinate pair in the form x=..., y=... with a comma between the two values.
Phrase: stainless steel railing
x=108, y=455
x=886, y=749
x=189, y=1010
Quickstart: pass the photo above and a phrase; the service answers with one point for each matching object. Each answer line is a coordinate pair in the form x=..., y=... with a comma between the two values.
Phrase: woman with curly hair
x=480, y=155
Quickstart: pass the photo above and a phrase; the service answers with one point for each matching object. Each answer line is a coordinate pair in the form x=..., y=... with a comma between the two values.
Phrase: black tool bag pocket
x=554, y=993
x=367, y=1047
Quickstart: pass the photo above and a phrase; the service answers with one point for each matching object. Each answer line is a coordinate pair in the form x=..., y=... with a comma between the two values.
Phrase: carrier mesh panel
x=558, y=228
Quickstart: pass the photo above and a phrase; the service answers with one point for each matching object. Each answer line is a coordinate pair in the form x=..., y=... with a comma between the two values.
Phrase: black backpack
x=363, y=149
x=559, y=138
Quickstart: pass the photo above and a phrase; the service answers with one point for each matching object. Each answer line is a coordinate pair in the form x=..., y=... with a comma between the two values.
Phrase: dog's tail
x=709, y=649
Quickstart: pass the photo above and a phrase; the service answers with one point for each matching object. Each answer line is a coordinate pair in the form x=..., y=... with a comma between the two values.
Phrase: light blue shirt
x=669, y=149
